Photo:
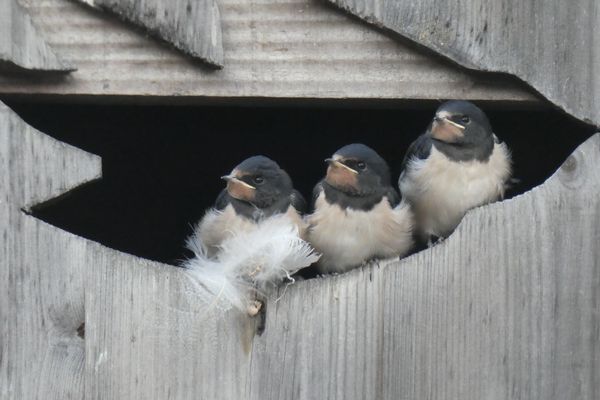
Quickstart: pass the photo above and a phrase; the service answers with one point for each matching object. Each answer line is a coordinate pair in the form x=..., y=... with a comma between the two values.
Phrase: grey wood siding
x=42, y=270
x=22, y=46
x=507, y=307
x=551, y=44
x=193, y=27
x=300, y=49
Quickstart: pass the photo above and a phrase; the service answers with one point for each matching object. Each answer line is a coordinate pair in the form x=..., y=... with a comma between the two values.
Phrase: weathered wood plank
x=193, y=27
x=552, y=45
x=41, y=267
x=302, y=49
x=507, y=307
x=22, y=46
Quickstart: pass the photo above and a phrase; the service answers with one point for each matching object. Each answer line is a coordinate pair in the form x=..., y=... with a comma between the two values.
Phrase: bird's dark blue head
x=259, y=181
x=462, y=131
x=357, y=170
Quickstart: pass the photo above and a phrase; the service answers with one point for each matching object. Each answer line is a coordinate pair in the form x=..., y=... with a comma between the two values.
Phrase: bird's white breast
x=441, y=191
x=346, y=237
x=217, y=225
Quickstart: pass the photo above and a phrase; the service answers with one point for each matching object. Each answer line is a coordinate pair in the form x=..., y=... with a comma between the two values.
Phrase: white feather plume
x=248, y=262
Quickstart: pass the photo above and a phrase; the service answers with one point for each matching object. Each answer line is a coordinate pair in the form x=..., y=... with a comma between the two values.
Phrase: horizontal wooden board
x=272, y=48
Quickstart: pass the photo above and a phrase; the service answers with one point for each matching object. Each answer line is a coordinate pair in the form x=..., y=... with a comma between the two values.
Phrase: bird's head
x=259, y=181
x=461, y=127
x=357, y=170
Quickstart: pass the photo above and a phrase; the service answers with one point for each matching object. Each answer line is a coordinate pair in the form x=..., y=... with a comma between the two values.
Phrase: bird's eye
x=361, y=165
x=258, y=180
x=465, y=120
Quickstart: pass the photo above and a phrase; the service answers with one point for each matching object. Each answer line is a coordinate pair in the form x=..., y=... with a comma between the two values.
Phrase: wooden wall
x=507, y=307
x=300, y=49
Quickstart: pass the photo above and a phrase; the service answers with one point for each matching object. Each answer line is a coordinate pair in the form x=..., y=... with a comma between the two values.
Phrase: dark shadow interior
x=161, y=164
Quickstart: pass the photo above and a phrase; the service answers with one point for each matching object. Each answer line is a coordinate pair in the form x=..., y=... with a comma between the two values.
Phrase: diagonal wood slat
x=193, y=27
x=22, y=46
x=552, y=45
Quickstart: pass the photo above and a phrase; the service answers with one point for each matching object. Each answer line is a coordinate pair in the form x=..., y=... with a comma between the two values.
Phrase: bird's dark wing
x=420, y=149
x=223, y=200
x=392, y=196
x=298, y=202
x=316, y=192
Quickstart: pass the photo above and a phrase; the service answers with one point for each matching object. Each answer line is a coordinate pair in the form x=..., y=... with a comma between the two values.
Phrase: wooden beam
x=300, y=50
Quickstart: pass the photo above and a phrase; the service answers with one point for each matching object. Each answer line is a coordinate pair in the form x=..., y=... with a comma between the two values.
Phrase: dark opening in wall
x=161, y=164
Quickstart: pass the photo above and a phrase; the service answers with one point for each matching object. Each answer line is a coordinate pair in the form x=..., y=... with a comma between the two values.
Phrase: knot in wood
x=571, y=172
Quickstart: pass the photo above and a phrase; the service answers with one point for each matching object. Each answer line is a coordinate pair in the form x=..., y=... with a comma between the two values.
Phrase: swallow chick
x=252, y=240
x=256, y=189
x=357, y=213
x=456, y=165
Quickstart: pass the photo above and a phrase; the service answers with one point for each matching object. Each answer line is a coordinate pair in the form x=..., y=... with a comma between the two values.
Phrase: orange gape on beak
x=446, y=131
x=340, y=175
x=237, y=188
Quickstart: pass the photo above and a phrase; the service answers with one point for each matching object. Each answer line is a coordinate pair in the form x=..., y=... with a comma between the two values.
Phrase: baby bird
x=457, y=164
x=256, y=189
x=357, y=213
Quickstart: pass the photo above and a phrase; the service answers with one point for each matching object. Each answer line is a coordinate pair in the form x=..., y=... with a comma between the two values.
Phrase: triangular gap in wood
x=46, y=167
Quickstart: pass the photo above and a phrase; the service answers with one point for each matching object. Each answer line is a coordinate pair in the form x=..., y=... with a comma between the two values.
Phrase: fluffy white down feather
x=248, y=262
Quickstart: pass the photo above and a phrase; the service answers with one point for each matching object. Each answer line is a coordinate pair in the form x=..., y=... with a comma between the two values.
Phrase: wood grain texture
x=301, y=49
x=41, y=268
x=551, y=45
x=22, y=46
x=193, y=27
x=507, y=307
